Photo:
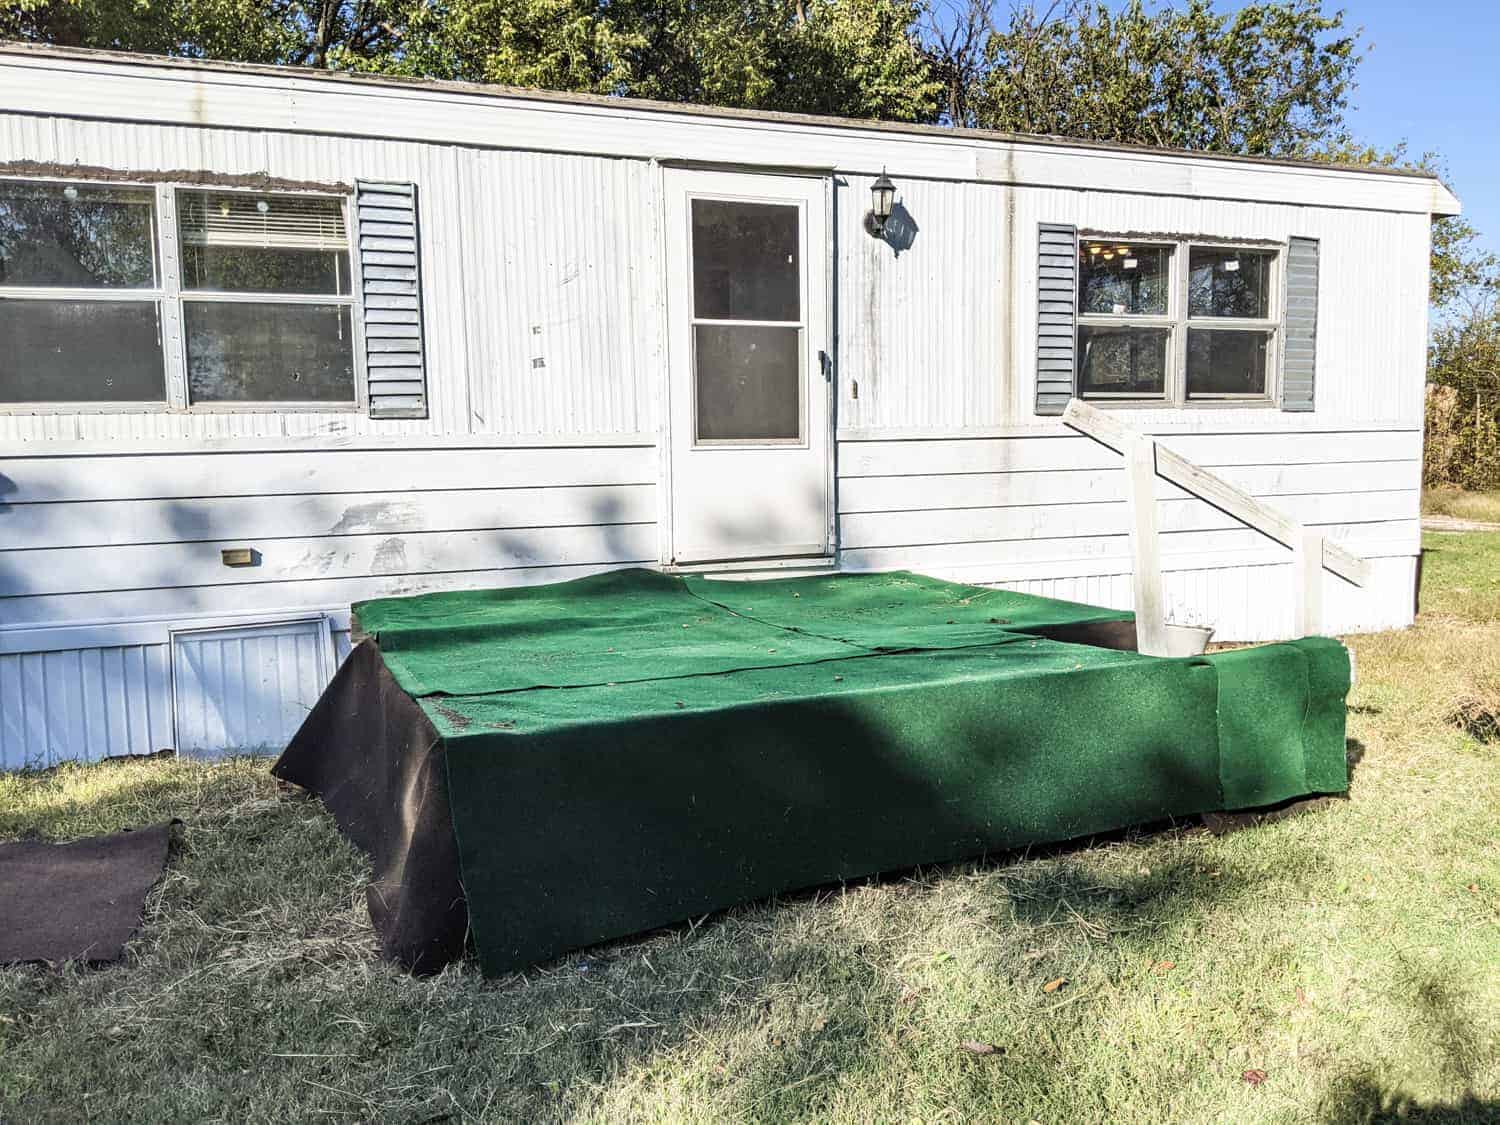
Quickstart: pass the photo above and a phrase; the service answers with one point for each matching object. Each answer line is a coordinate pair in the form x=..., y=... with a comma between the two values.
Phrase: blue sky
x=1432, y=78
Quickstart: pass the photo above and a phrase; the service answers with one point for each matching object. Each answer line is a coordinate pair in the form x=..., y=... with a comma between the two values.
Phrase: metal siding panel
x=923, y=332
x=1371, y=357
x=247, y=689
x=76, y=705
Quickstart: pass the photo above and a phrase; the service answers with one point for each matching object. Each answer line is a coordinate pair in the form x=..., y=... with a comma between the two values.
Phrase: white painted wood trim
x=1307, y=579
x=1099, y=425
x=1145, y=546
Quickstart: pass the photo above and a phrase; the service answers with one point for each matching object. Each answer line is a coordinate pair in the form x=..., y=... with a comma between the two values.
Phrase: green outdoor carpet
x=632, y=749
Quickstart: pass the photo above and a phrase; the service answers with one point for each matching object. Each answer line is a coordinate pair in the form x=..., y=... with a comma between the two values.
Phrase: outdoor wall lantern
x=882, y=200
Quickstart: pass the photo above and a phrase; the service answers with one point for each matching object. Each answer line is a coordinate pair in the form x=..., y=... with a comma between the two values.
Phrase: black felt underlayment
x=762, y=738
x=79, y=901
x=367, y=750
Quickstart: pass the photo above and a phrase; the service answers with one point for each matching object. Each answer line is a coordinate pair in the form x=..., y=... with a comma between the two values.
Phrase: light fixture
x=1108, y=254
x=1095, y=249
x=882, y=202
x=262, y=206
x=70, y=193
x=224, y=207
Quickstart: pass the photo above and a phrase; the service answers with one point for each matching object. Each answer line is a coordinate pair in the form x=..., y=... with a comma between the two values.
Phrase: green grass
x=1351, y=953
x=1483, y=507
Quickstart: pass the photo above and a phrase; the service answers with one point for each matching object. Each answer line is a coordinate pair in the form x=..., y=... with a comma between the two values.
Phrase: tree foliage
x=1268, y=79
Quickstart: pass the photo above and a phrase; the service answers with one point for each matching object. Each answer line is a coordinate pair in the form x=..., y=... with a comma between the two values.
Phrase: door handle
x=825, y=364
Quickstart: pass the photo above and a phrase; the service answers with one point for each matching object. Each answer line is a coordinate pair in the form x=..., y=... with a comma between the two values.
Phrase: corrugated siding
x=247, y=690
x=1299, y=349
x=563, y=267
x=526, y=256
x=89, y=704
x=923, y=332
x=1372, y=339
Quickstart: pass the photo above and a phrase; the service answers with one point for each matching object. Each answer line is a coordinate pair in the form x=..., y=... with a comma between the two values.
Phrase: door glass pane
x=749, y=382
x=1118, y=279
x=77, y=237
x=745, y=261
x=80, y=351
x=1122, y=361
x=244, y=352
x=1226, y=363
x=1229, y=282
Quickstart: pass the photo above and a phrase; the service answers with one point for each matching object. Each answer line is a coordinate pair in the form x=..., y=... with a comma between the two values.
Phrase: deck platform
x=550, y=767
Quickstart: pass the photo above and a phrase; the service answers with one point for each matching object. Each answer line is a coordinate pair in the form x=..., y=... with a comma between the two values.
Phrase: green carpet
x=632, y=749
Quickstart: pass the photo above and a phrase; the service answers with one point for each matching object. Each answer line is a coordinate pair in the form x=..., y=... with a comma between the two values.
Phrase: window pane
x=80, y=351
x=1119, y=279
x=745, y=261
x=235, y=242
x=1226, y=363
x=242, y=352
x=1122, y=361
x=1229, y=282
x=749, y=382
x=77, y=237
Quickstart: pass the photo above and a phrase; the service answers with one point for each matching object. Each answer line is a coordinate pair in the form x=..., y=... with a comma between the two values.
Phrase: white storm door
x=750, y=446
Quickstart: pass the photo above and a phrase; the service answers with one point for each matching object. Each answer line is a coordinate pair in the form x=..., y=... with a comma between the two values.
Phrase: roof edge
x=1443, y=199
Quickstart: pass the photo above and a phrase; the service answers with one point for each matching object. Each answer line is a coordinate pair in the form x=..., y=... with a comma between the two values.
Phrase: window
x=1175, y=322
x=257, y=308
x=747, y=321
x=267, y=300
x=80, y=296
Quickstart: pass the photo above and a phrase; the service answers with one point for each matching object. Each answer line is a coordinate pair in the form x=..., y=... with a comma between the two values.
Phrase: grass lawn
x=1350, y=955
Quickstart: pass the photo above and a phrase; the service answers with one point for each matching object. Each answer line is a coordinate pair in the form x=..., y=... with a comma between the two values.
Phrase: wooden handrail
x=1145, y=459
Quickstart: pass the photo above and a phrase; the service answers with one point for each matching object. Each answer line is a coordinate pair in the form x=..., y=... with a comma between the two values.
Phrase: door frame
x=665, y=507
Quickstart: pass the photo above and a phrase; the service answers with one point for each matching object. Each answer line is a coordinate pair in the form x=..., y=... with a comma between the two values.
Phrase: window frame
x=171, y=298
x=1178, y=322
x=155, y=295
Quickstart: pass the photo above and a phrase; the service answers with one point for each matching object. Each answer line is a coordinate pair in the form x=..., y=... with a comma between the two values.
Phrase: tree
x=1269, y=79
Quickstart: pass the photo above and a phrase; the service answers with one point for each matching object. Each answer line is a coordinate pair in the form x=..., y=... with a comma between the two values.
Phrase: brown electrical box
x=239, y=556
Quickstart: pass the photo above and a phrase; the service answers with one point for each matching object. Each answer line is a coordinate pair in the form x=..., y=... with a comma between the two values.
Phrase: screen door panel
x=750, y=448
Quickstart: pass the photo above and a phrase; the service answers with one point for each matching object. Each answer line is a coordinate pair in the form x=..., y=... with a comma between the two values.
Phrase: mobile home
x=275, y=341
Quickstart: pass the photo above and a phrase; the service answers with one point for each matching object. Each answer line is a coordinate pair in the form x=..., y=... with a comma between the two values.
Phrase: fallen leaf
x=820, y=1023
x=909, y=995
x=1054, y=985
x=1473, y=886
x=1165, y=966
x=1254, y=1077
x=1301, y=995
x=975, y=1047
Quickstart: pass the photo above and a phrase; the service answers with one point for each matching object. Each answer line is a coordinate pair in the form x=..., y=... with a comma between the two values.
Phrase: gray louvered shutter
x=1299, y=349
x=391, y=276
x=1056, y=304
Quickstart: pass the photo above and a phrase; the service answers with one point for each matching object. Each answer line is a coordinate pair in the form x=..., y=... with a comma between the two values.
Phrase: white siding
x=1372, y=314
x=510, y=242
x=1046, y=514
x=89, y=704
x=247, y=690
x=102, y=537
